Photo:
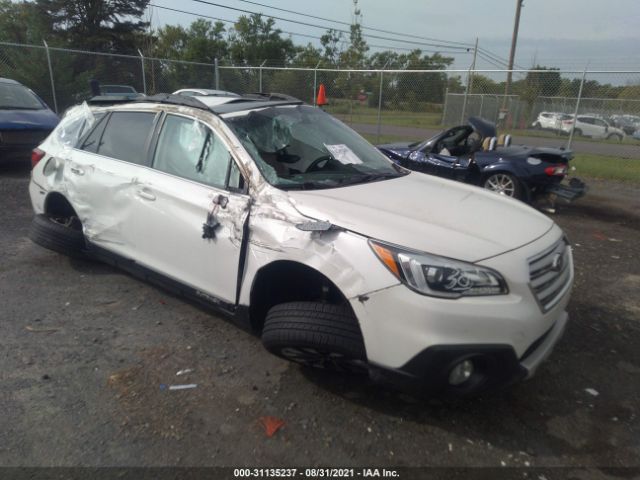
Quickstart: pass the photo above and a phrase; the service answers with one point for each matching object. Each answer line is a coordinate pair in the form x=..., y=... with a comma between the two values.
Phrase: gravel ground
x=87, y=349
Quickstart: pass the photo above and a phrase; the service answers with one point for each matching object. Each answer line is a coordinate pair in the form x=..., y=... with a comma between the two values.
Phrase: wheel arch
x=283, y=281
x=57, y=204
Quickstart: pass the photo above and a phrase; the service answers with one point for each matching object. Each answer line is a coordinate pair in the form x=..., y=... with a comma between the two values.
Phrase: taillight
x=36, y=156
x=557, y=170
x=567, y=122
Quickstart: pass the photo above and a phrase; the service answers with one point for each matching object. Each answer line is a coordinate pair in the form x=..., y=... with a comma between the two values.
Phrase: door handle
x=76, y=171
x=146, y=194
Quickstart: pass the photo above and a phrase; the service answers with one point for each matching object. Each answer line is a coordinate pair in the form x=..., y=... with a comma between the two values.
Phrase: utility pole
x=467, y=91
x=473, y=65
x=512, y=54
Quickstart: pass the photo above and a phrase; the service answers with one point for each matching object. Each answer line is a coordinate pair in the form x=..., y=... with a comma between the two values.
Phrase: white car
x=592, y=126
x=284, y=218
x=550, y=120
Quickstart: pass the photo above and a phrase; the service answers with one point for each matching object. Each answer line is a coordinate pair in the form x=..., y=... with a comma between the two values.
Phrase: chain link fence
x=578, y=109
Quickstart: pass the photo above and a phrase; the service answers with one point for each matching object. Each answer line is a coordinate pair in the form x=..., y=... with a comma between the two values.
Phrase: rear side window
x=188, y=149
x=91, y=142
x=125, y=136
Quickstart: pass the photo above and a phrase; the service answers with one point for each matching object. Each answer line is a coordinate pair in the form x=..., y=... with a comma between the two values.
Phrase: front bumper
x=495, y=366
x=416, y=339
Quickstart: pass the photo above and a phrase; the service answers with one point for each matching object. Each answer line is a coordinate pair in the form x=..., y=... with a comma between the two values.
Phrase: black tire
x=50, y=234
x=511, y=185
x=577, y=132
x=316, y=335
x=614, y=136
x=537, y=126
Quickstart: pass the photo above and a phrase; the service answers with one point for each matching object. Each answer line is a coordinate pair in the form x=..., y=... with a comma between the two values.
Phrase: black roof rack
x=170, y=99
x=108, y=99
x=270, y=96
x=245, y=102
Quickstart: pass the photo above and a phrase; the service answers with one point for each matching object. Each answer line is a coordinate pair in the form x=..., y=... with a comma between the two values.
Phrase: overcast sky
x=564, y=33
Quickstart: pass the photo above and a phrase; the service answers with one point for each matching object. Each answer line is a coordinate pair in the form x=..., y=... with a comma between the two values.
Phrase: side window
x=91, y=141
x=188, y=149
x=125, y=136
x=236, y=182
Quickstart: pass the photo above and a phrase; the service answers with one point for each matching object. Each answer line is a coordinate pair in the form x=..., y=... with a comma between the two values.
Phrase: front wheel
x=614, y=136
x=62, y=235
x=317, y=335
x=504, y=184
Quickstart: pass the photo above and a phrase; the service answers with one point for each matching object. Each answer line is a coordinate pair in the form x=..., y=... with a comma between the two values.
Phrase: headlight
x=439, y=276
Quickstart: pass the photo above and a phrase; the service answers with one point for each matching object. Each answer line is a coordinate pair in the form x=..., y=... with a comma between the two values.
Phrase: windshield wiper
x=369, y=177
x=309, y=185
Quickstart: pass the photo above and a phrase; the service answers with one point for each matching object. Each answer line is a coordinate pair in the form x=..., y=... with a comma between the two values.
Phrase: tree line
x=120, y=27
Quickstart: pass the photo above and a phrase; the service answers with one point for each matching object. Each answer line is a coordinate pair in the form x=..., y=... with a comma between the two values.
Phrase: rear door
x=192, y=207
x=101, y=178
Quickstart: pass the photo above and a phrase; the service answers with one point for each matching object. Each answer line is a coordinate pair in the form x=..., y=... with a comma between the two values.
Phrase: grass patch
x=357, y=113
x=608, y=168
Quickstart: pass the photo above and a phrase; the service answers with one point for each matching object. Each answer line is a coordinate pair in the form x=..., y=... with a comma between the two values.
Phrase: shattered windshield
x=301, y=147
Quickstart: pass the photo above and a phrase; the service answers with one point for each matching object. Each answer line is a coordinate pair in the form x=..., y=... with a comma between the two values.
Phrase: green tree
x=111, y=26
x=255, y=39
x=330, y=42
x=202, y=42
x=545, y=83
x=23, y=22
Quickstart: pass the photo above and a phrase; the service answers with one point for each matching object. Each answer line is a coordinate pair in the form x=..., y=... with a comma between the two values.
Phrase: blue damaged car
x=25, y=120
x=474, y=154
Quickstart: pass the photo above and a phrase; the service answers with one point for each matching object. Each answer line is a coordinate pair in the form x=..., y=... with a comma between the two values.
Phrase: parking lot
x=88, y=353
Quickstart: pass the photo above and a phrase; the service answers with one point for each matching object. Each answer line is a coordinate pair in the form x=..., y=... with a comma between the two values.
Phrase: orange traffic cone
x=322, y=97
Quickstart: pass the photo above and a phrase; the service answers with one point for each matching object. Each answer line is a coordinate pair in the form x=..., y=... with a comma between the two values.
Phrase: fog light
x=461, y=372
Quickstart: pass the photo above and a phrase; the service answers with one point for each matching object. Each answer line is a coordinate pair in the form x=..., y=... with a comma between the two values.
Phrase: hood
x=484, y=127
x=428, y=214
x=43, y=119
x=400, y=150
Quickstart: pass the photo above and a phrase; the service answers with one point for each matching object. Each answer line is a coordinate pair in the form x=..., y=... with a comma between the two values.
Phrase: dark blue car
x=474, y=154
x=25, y=120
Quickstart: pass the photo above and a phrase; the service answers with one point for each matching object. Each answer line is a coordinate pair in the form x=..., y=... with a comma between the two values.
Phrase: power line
x=386, y=47
x=464, y=44
x=499, y=59
x=306, y=24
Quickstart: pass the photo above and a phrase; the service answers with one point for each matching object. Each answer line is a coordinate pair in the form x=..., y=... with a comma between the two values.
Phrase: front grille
x=550, y=275
x=23, y=137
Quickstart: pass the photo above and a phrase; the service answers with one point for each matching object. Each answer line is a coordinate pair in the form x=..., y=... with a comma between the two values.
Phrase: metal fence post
x=379, y=108
x=216, y=74
x=144, y=78
x=260, y=73
x=53, y=85
x=315, y=83
x=466, y=96
x=575, y=113
x=444, y=108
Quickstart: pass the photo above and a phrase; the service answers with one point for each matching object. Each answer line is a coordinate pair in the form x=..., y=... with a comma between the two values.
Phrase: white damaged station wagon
x=286, y=220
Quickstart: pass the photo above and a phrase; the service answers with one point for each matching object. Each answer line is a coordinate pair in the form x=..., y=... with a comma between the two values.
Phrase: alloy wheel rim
x=501, y=184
